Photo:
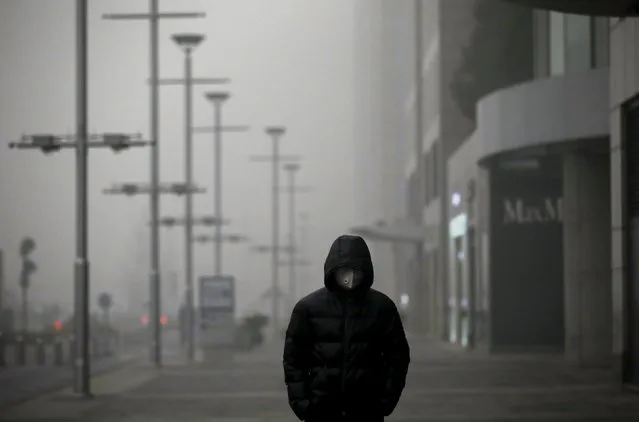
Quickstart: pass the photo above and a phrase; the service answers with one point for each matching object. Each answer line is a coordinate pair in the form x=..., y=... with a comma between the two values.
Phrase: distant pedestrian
x=346, y=356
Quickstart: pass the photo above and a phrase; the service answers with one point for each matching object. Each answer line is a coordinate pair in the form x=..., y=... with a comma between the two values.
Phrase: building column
x=587, y=258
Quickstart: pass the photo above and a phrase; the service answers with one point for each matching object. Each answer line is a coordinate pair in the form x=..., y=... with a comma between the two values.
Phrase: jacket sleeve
x=397, y=357
x=297, y=350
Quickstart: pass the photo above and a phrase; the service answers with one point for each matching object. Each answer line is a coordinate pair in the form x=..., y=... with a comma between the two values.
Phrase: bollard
x=72, y=351
x=93, y=348
x=21, y=351
x=58, y=353
x=41, y=354
x=112, y=346
x=3, y=361
x=98, y=348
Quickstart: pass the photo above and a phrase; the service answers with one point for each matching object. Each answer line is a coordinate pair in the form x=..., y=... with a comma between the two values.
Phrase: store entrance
x=631, y=129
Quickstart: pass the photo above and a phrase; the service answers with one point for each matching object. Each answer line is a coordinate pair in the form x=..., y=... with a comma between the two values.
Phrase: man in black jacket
x=345, y=356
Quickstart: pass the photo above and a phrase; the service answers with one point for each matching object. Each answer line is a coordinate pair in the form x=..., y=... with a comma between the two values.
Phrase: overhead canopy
x=398, y=232
x=613, y=8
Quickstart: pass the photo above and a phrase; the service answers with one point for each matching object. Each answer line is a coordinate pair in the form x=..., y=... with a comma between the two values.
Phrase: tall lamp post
x=81, y=269
x=153, y=17
x=218, y=99
x=81, y=142
x=188, y=43
x=292, y=169
x=293, y=189
x=275, y=133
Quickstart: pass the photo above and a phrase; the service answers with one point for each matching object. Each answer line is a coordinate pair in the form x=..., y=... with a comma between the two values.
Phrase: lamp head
x=275, y=130
x=217, y=96
x=291, y=166
x=188, y=41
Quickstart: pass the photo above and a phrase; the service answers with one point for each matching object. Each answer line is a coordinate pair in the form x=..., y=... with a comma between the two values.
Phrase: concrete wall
x=624, y=84
x=586, y=225
x=544, y=112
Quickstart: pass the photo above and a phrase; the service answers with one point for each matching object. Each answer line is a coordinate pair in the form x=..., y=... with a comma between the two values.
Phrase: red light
x=144, y=320
x=164, y=320
x=57, y=325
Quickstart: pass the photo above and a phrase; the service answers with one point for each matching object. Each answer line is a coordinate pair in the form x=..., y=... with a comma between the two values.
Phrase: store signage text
x=519, y=211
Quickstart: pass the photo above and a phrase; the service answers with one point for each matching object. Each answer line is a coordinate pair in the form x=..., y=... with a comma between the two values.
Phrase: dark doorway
x=460, y=316
x=526, y=253
x=631, y=132
x=473, y=304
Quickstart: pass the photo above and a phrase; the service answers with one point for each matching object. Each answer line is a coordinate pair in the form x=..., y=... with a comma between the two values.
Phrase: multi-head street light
x=230, y=238
x=153, y=16
x=52, y=143
x=133, y=189
x=81, y=142
x=205, y=220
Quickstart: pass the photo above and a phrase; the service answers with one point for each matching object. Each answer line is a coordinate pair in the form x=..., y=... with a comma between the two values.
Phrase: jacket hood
x=349, y=251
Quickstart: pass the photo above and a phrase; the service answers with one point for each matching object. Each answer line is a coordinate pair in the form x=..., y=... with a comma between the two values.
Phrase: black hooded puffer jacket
x=345, y=353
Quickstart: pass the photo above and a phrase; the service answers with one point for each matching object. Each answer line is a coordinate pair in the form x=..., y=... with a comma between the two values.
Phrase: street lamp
x=153, y=17
x=292, y=169
x=188, y=42
x=218, y=99
x=275, y=133
x=81, y=141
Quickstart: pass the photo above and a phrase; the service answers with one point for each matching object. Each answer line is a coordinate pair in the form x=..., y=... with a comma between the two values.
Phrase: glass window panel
x=578, y=43
x=557, y=44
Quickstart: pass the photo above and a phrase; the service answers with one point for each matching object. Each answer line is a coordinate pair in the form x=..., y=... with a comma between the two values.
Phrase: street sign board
x=217, y=311
x=217, y=292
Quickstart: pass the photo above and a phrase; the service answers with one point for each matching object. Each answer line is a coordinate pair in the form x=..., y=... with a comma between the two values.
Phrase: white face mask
x=348, y=278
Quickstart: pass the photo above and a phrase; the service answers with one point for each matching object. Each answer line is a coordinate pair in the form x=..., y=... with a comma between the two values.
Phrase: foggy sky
x=291, y=63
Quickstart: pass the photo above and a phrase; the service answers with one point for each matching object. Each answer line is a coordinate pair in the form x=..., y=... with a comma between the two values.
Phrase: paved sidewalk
x=444, y=385
x=17, y=384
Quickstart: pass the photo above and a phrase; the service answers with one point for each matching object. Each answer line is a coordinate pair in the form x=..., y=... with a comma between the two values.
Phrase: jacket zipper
x=344, y=347
x=344, y=341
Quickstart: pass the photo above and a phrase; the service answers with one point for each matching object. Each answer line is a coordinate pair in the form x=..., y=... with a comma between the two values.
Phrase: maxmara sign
x=520, y=211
